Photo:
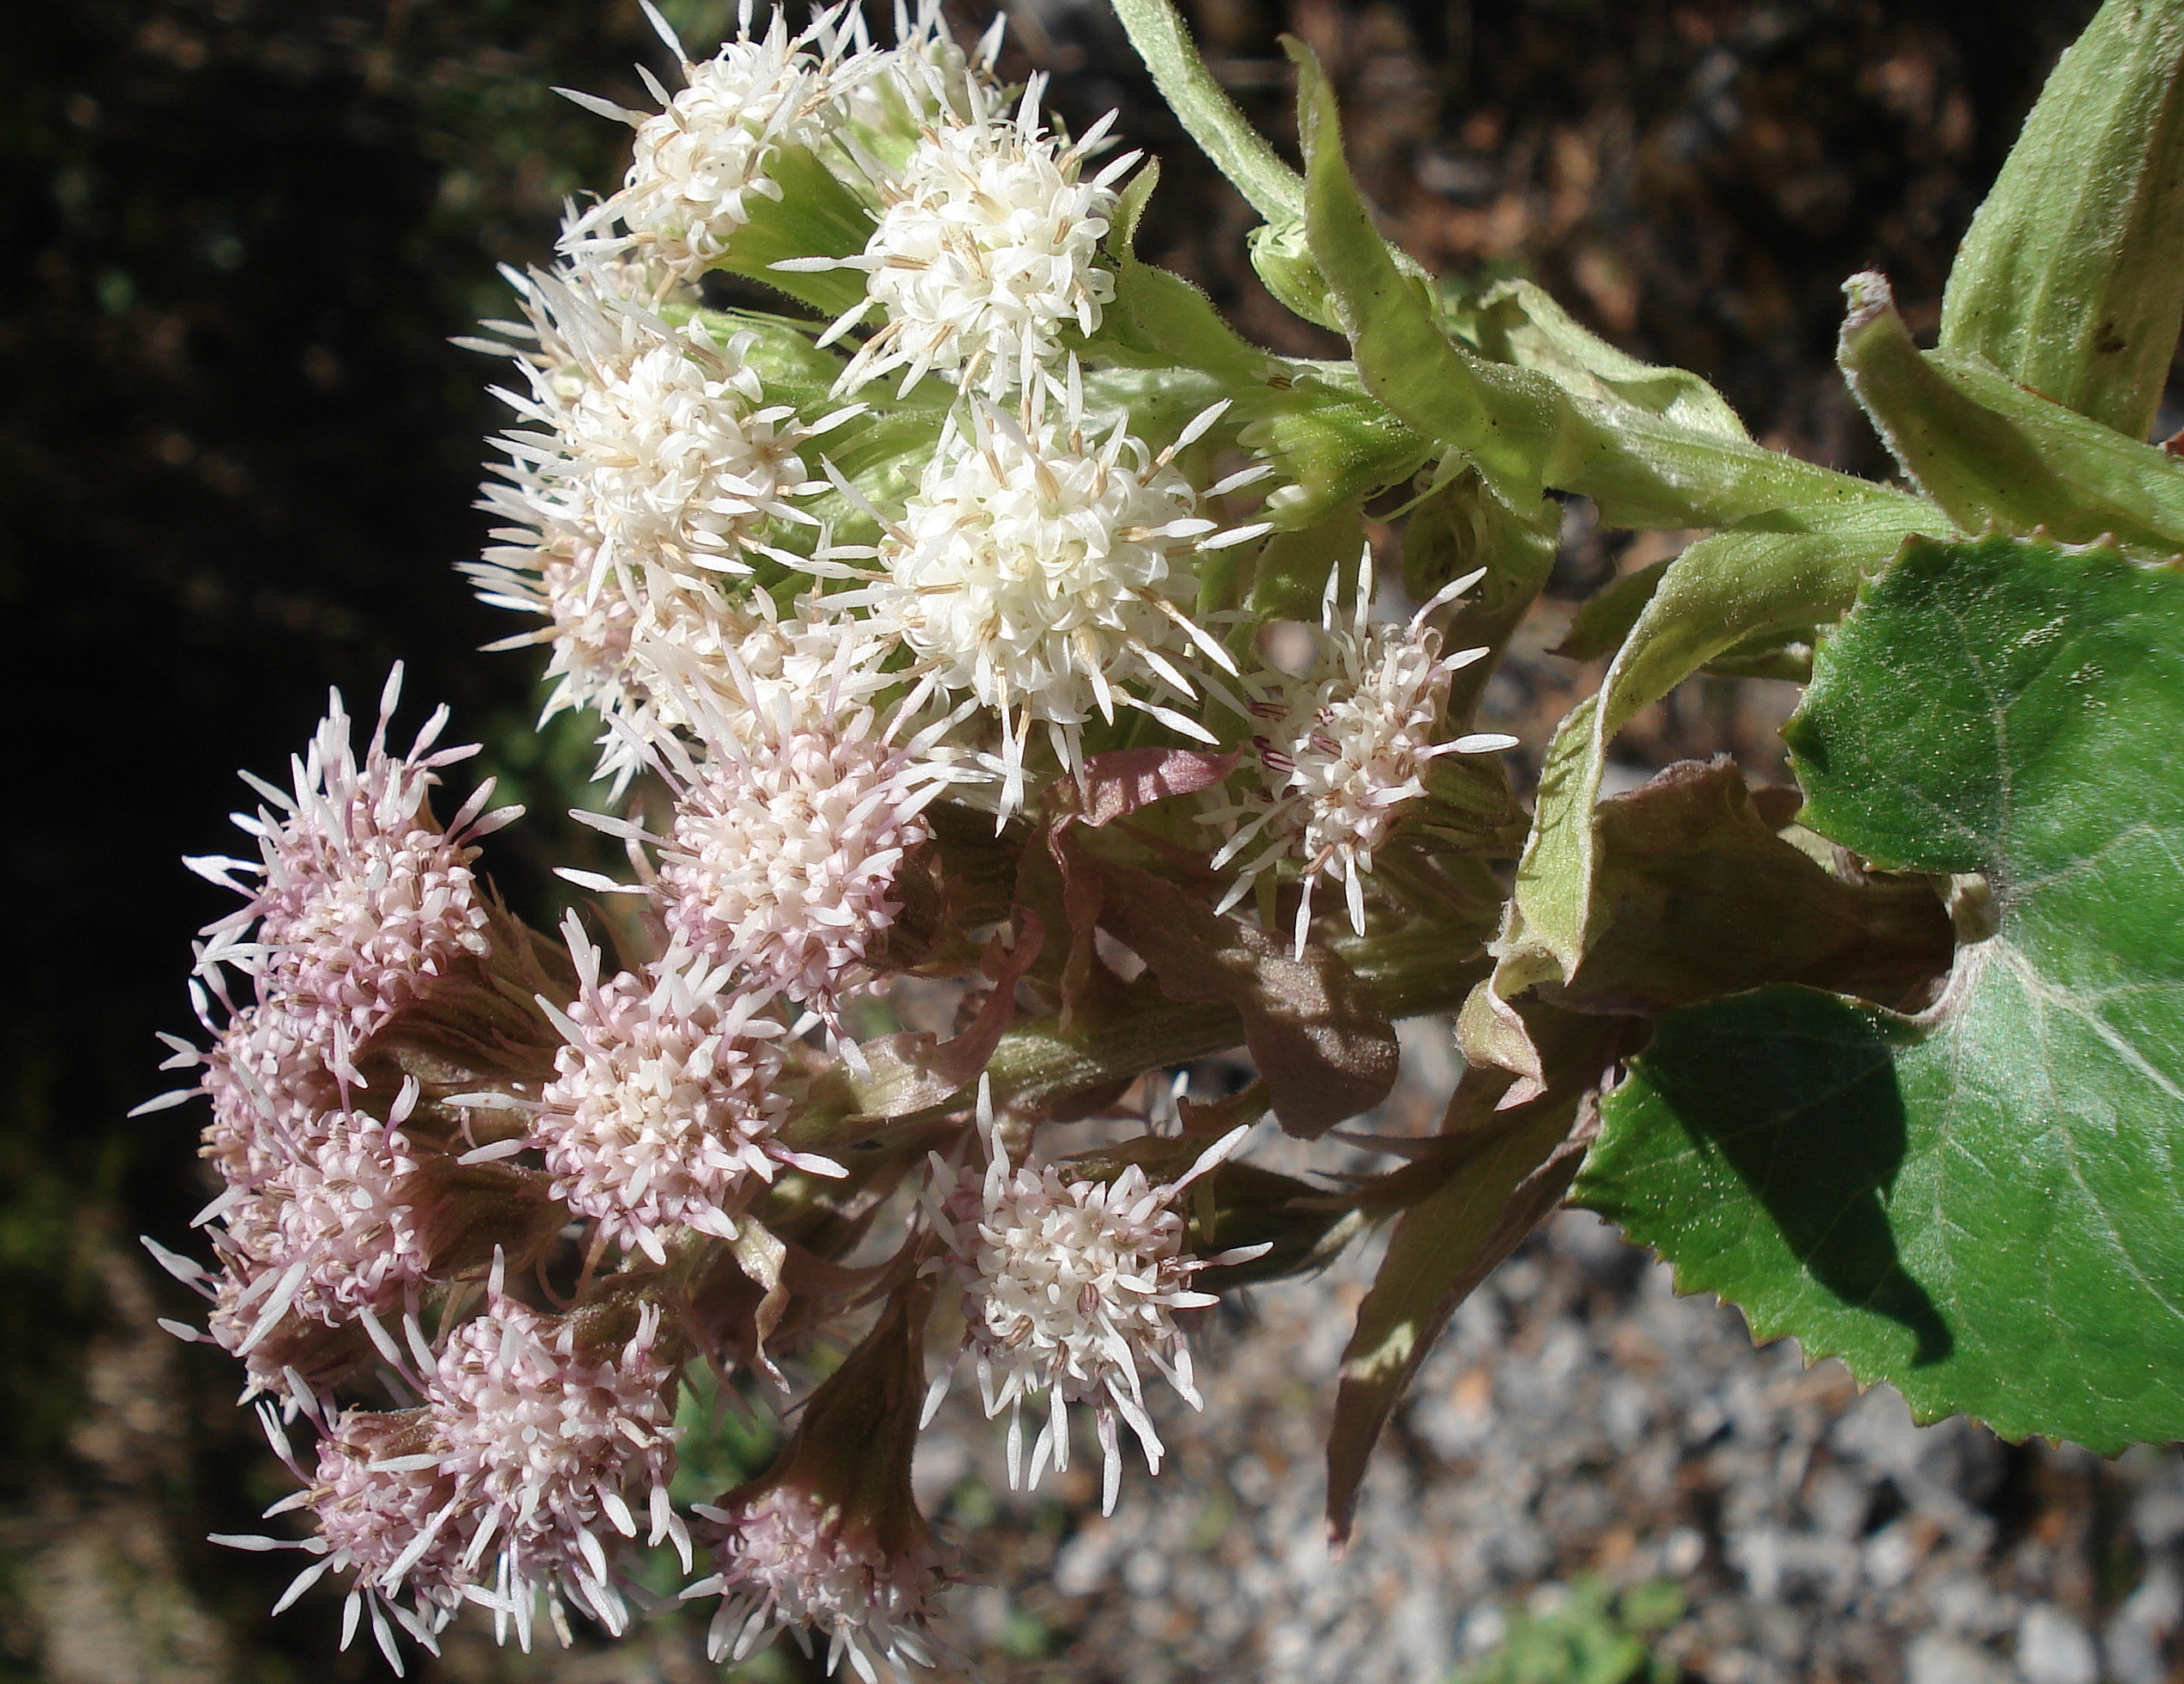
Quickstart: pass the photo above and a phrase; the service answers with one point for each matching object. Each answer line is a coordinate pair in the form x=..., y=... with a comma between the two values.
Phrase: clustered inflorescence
x=869, y=608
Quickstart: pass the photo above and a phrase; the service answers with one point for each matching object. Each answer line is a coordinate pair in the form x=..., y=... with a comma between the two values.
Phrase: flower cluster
x=899, y=622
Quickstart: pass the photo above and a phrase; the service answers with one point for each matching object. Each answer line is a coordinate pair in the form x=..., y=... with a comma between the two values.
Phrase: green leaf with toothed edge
x=1983, y=1205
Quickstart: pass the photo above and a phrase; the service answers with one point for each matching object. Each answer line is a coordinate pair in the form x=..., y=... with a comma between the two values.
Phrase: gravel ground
x=1578, y=1418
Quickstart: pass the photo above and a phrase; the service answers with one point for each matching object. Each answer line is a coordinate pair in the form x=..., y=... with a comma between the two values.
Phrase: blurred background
x=237, y=457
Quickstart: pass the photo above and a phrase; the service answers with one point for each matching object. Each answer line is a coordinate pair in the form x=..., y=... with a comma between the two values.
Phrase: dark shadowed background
x=237, y=456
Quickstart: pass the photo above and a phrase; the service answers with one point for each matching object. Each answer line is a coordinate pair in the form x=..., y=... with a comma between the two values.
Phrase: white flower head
x=645, y=442
x=652, y=465
x=1040, y=570
x=701, y=159
x=363, y=900
x=549, y=1436
x=663, y=1111
x=790, y=1559
x=1345, y=747
x=1069, y=1286
x=987, y=248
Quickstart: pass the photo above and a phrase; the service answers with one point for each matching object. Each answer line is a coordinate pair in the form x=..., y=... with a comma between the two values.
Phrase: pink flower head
x=362, y=898
x=332, y=1232
x=662, y=1109
x=348, y=1217
x=549, y=1433
x=388, y=1514
x=1067, y=1285
x=831, y=1541
x=268, y=1089
x=787, y=835
x=788, y=1559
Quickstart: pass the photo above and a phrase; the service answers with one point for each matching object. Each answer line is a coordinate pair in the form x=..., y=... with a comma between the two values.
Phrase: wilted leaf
x=1508, y=1168
x=1321, y=1042
x=1699, y=897
x=1122, y=782
x=1798, y=571
x=1982, y=1205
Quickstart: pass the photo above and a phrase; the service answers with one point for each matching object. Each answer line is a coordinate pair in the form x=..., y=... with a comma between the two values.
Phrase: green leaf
x=1518, y=321
x=1523, y=428
x=1289, y=578
x=1282, y=257
x=2072, y=279
x=1206, y=112
x=1504, y=423
x=1318, y=1034
x=1598, y=628
x=882, y=453
x=1987, y=449
x=816, y=215
x=1160, y=317
x=1983, y=1205
x=1330, y=441
x=1457, y=529
x=1799, y=571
